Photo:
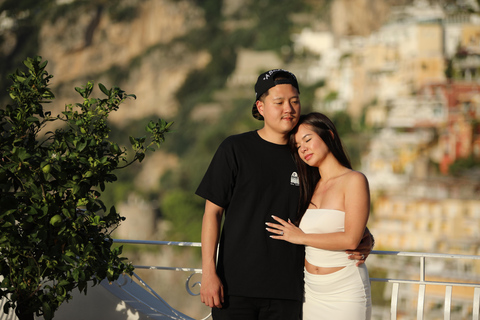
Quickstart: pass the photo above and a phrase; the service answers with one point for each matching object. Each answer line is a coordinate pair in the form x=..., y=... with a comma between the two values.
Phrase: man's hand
x=364, y=248
x=211, y=291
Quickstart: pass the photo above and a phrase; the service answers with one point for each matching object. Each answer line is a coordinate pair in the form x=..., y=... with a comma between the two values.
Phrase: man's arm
x=211, y=291
x=364, y=248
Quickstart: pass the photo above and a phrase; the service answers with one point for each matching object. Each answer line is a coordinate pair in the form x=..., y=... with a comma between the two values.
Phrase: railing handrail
x=397, y=253
x=165, y=243
x=427, y=254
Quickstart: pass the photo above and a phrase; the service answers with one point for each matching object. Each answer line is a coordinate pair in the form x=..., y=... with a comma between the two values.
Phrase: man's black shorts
x=246, y=308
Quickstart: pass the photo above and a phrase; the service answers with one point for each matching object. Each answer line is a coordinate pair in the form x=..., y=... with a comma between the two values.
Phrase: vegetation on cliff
x=264, y=25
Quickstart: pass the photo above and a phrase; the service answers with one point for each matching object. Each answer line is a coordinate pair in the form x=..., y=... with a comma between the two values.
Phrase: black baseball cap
x=267, y=80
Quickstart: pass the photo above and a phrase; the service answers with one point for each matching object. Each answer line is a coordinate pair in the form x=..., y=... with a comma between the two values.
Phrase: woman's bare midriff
x=313, y=269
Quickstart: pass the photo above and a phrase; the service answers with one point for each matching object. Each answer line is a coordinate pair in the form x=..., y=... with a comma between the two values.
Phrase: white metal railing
x=421, y=282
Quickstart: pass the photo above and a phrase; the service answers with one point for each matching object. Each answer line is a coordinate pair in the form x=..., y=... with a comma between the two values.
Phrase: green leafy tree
x=185, y=213
x=55, y=232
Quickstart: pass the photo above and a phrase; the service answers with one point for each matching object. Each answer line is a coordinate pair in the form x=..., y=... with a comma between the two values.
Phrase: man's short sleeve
x=219, y=180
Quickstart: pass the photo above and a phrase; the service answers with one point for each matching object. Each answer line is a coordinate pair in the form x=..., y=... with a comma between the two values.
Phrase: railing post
x=448, y=302
x=422, y=269
x=421, y=301
x=421, y=290
x=476, y=304
x=394, y=301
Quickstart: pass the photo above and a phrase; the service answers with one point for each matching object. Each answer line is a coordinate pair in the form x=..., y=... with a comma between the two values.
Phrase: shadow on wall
x=124, y=299
x=98, y=304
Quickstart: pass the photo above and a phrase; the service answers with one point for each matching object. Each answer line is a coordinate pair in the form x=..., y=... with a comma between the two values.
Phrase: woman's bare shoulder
x=355, y=178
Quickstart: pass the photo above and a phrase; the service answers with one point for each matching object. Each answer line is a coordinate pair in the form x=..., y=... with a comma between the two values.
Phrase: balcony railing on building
x=405, y=285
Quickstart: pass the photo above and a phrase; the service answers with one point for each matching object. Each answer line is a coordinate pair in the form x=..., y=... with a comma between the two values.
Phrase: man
x=252, y=177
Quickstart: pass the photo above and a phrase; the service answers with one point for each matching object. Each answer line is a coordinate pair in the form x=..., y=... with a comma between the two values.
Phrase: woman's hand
x=364, y=248
x=285, y=231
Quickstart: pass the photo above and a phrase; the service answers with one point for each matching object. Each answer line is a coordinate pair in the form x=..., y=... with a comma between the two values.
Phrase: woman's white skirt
x=344, y=294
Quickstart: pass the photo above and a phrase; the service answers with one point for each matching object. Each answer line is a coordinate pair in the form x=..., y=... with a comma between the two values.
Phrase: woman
x=333, y=213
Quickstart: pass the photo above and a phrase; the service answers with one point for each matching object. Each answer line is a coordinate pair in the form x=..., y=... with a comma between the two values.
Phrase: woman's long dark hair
x=309, y=176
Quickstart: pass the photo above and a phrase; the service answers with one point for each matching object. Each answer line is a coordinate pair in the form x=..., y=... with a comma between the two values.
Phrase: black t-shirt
x=253, y=179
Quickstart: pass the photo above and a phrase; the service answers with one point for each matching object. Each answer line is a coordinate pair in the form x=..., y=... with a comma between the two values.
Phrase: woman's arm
x=357, y=207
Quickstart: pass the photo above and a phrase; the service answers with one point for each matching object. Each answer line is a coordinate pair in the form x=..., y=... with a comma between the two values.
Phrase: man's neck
x=273, y=137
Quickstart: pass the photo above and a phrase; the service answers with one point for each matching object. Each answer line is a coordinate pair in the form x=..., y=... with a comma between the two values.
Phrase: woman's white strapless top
x=324, y=221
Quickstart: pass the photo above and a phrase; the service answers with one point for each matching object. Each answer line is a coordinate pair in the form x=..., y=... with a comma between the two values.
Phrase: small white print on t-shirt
x=294, y=179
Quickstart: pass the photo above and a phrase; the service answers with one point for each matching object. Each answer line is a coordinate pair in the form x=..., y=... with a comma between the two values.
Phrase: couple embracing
x=294, y=237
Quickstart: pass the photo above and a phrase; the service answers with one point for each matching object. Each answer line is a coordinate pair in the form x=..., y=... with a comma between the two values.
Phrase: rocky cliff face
x=358, y=17
x=140, y=47
x=139, y=53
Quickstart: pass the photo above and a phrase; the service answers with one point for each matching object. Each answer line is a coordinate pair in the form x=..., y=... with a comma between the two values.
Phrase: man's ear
x=260, y=106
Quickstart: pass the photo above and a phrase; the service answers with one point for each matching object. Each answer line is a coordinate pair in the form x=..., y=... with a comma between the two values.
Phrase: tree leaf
x=47, y=311
x=33, y=119
x=23, y=154
x=81, y=146
x=103, y=89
